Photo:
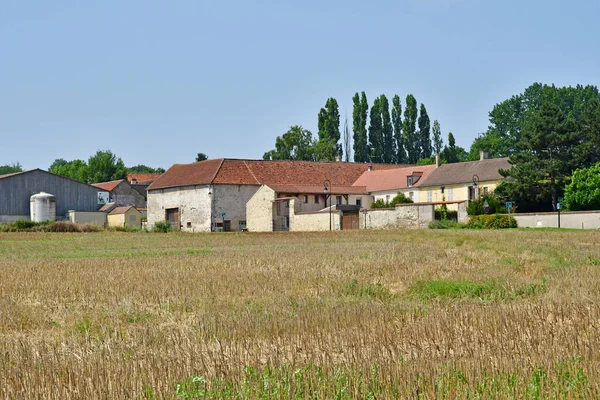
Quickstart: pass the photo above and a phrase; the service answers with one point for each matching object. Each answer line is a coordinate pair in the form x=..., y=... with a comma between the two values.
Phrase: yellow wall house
x=463, y=181
x=125, y=216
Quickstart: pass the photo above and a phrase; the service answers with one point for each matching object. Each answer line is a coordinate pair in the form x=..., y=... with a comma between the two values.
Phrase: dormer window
x=410, y=180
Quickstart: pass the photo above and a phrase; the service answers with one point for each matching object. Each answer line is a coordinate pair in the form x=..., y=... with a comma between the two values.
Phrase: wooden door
x=172, y=217
x=350, y=221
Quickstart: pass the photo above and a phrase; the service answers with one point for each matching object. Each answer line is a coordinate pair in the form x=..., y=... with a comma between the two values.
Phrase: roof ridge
x=251, y=172
x=212, y=181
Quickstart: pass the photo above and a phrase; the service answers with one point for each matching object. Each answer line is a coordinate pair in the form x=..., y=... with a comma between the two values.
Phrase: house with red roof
x=212, y=194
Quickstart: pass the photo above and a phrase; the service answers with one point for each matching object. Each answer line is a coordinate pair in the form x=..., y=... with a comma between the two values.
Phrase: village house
x=122, y=193
x=127, y=216
x=464, y=181
x=212, y=194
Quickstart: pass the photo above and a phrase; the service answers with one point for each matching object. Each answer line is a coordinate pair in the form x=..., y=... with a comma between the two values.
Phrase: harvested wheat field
x=355, y=314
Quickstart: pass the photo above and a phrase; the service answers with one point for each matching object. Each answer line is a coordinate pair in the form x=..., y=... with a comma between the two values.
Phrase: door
x=172, y=217
x=350, y=221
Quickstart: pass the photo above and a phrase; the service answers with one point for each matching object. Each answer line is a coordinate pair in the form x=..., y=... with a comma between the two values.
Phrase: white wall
x=194, y=204
x=392, y=193
x=259, y=210
x=232, y=200
x=308, y=222
x=575, y=220
x=402, y=216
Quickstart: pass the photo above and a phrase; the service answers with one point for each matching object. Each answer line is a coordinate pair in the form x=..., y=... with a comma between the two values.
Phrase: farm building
x=212, y=194
x=122, y=193
x=125, y=216
x=16, y=190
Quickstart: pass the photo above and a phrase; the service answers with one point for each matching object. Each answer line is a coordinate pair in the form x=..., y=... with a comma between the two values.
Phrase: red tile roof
x=142, y=178
x=257, y=172
x=108, y=186
x=393, y=179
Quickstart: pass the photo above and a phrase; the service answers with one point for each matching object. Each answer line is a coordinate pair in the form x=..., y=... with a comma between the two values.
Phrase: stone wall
x=193, y=202
x=259, y=210
x=574, y=220
x=232, y=200
x=402, y=216
x=308, y=222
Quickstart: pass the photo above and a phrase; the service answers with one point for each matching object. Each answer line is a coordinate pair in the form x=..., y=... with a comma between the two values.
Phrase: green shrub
x=162, y=226
x=450, y=215
x=400, y=198
x=496, y=221
x=63, y=226
x=476, y=207
x=380, y=203
x=24, y=224
x=446, y=224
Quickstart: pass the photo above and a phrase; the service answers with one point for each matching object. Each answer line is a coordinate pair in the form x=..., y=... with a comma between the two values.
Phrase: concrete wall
x=307, y=222
x=259, y=210
x=200, y=209
x=87, y=217
x=575, y=220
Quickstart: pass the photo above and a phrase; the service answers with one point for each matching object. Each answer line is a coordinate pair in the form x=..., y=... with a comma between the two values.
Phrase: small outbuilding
x=125, y=216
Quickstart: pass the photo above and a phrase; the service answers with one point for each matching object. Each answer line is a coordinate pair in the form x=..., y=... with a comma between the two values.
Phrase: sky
x=157, y=82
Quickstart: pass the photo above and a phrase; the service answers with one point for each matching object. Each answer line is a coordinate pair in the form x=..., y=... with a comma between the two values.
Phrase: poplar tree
x=376, y=133
x=359, y=126
x=424, y=133
x=387, y=133
x=400, y=157
x=438, y=142
x=409, y=130
x=329, y=131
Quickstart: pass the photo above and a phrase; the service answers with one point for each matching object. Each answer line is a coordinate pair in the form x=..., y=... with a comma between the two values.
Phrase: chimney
x=437, y=160
x=338, y=159
x=370, y=168
x=483, y=155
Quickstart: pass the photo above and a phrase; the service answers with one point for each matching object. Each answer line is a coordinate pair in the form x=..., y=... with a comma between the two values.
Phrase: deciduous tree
x=296, y=144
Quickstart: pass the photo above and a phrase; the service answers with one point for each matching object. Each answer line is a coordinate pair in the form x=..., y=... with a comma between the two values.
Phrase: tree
x=387, y=132
x=453, y=153
x=359, y=126
x=583, y=193
x=75, y=169
x=296, y=144
x=545, y=157
x=144, y=169
x=438, y=142
x=346, y=140
x=329, y=130
x=10, y=168
x=400, y=157
x=424, y=133
x=201, y=157
x=409, y=128
x=376, y=133
x=104, y=166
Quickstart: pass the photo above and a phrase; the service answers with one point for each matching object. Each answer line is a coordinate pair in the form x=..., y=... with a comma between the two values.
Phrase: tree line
x=380, y=134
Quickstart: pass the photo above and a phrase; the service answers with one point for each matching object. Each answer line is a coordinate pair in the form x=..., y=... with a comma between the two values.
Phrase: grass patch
x=370, y=291
x=493, y=290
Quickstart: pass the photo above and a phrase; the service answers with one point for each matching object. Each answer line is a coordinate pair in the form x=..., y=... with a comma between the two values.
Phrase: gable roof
x=486, y=170
x=393, y=179
x=257, y=172
x=122, y=210
x=17, y=173
x=318, y=189
x=46, y=172
x=142, y=178
x=108, y=186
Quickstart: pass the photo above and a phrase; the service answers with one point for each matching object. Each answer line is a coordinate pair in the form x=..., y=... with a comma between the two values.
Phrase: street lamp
x=326, y=191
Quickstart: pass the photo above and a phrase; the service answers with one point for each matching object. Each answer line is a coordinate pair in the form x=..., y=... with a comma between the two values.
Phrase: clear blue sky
x=158, y=81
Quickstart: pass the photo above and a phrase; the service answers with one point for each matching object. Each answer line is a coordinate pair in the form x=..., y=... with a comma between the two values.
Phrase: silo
x=43, y=207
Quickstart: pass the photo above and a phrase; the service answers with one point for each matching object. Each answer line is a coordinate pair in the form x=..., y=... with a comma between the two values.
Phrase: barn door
x=172, y=217
x=350, y=221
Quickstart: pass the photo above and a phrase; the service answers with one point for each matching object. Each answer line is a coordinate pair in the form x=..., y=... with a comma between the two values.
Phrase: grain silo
x=43, y=207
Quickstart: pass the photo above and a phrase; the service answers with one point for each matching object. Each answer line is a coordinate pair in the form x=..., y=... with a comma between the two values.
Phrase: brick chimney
x=483, y=155
x=437, y=160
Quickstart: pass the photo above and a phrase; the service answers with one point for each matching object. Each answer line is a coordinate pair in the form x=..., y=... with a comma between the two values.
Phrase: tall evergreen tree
x=409, y=130
x=346, y=140
x=359, y=126
x=438, y=142
x=389, y=145
x=329, y=131
x=400, y=157
x=424, y=133
x=376, y=133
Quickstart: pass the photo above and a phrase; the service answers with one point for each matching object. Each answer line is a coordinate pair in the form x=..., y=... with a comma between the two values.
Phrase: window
x=442, y=189
x=242, y=225
x=132, y=218
x=316, y=199
x=227, y=225
x=450, y=194
x=430, y=196
x=485, y=190
x=387, y=198
x=189, y=224
x=286, y=204
x=338, y=200
x=359, y=201
x=411, y=195
x=409, y=180
x=305, y=198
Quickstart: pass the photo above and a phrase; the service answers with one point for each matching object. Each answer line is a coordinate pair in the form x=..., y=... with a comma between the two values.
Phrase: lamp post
x=326, y=192
x=476, y=186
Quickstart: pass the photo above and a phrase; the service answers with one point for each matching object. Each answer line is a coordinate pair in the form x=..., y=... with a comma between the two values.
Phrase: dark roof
x=448, y=174
x=108, y=207
x=256, y=172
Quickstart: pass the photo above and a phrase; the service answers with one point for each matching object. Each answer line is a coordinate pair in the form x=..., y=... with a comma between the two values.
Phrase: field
x=356, y=314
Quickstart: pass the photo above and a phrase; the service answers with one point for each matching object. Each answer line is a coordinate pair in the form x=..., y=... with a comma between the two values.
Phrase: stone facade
x=200, y=211
x=259, y=210
x=402, y=216
x=308, y=222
